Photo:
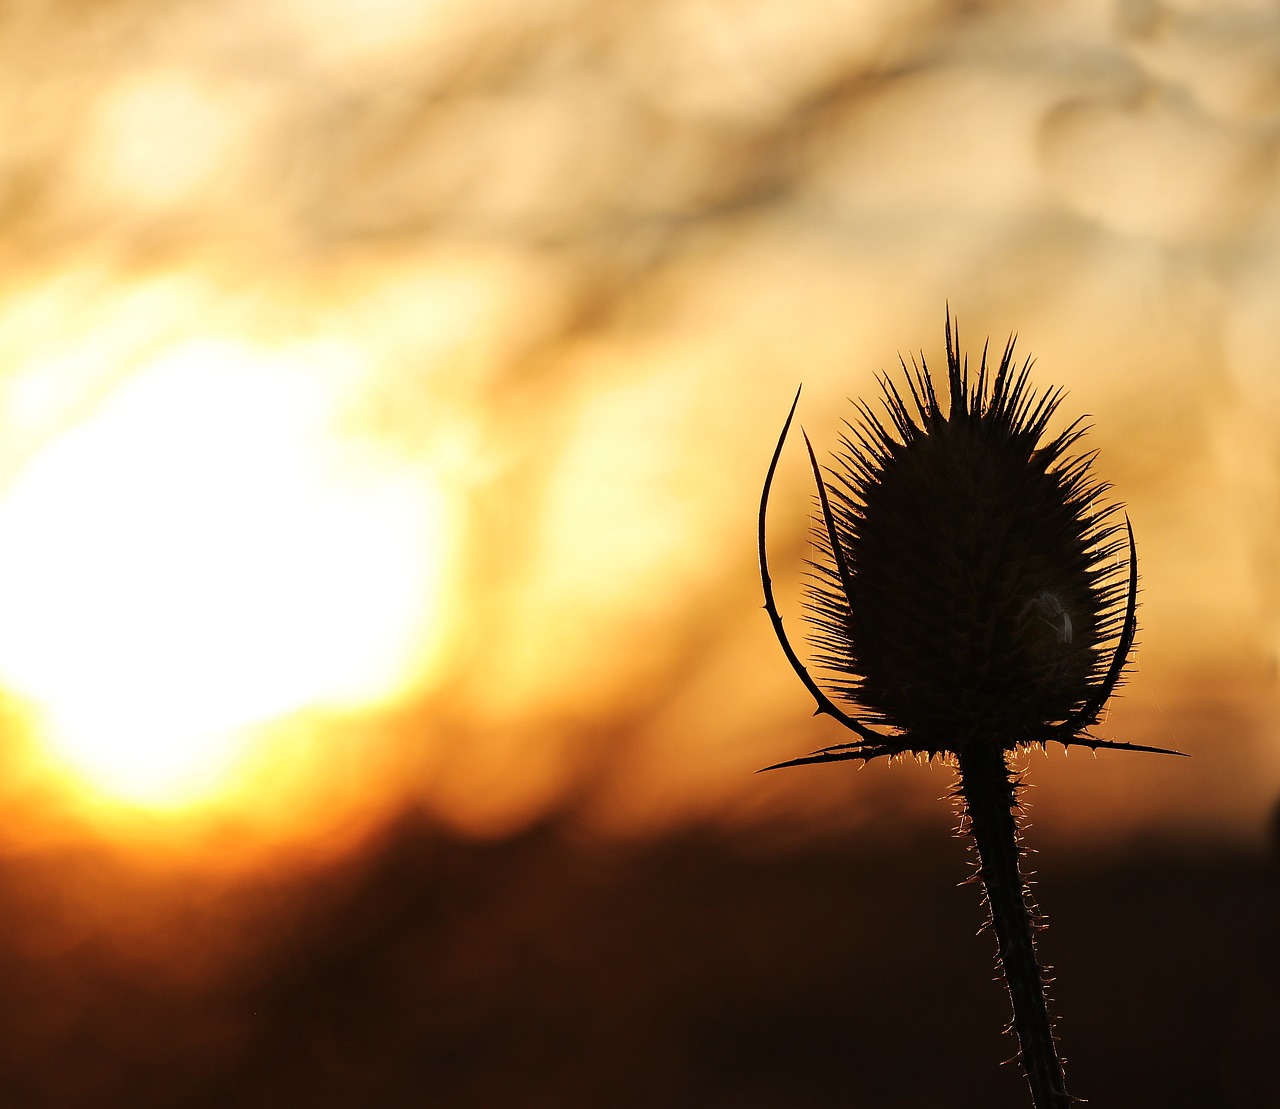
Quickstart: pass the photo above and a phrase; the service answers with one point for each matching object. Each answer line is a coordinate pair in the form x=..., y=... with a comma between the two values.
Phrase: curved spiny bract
x=825, y=705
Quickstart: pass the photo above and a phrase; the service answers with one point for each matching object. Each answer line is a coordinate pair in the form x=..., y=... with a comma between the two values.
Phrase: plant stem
x=990, y=796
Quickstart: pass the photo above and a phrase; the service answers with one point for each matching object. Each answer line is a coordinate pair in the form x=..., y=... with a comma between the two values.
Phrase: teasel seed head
x=972, y=584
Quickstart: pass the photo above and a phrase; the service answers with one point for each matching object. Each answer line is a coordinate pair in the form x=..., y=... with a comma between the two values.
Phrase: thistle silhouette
x=969, y=598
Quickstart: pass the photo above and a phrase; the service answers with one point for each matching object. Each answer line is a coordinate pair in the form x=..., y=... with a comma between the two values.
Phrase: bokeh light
x=198, y=555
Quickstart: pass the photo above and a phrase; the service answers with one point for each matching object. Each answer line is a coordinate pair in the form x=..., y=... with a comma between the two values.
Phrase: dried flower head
x=970, y=586
x=969, y=596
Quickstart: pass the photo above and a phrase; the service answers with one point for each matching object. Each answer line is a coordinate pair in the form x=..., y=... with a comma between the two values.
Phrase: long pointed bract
x=825, y=705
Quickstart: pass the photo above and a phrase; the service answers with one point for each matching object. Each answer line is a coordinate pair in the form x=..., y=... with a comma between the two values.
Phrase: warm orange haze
x=386, y=388
x=307, y=419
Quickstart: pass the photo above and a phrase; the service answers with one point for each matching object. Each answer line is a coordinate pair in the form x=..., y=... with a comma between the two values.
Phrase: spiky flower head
x=969, y=586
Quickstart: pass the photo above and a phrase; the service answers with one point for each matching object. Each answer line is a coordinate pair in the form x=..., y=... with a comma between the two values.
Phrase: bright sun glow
x=203, y=554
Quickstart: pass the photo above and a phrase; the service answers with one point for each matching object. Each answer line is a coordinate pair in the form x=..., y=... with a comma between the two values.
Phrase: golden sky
x=387, y=388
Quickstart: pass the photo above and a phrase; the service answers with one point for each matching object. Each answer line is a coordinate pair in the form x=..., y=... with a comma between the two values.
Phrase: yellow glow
x=156, y=139
x=204, y=554
x=354, y=35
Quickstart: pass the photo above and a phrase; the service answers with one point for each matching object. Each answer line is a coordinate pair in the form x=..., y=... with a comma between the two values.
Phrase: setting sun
x=203, y=554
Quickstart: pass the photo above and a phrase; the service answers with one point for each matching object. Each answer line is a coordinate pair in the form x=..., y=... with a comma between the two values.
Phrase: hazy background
x=385, y=392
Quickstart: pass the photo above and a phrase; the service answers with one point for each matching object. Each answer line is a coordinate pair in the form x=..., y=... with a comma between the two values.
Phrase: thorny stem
x=989, y=793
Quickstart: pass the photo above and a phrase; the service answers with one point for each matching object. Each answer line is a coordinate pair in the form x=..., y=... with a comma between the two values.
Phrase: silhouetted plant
x=970, y=599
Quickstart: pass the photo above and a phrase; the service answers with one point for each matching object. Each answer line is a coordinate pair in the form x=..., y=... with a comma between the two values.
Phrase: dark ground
x=695, y=971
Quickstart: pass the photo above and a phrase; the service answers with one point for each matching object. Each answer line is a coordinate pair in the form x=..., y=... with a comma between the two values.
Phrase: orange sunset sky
x=386, y=389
